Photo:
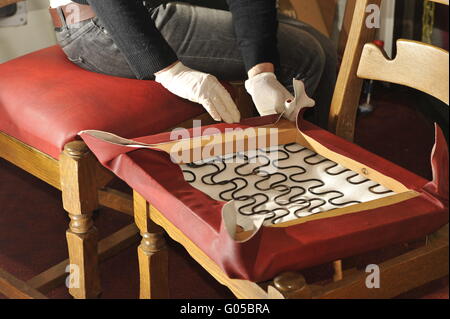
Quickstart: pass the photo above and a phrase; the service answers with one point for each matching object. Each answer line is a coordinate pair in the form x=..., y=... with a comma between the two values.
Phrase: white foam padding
x=280, y=183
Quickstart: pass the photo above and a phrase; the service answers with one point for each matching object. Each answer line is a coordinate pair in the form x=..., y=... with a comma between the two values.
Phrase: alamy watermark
x=373, y=279
x=209, y=143
x=73, y=280
x=74, y=13
x=373, y=19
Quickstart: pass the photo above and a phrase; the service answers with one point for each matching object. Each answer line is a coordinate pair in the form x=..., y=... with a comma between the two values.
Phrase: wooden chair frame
x=408, y=270
x=344, y=106
x=403, y=273
x=82, y=194
x=82, y=182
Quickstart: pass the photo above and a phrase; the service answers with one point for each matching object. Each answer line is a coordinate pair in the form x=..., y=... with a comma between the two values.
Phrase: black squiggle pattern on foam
x=307, y=196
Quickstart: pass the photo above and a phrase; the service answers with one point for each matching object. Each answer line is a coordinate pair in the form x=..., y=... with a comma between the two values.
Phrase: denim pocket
x=93, y=49
x=82, y=63
x=71, y=33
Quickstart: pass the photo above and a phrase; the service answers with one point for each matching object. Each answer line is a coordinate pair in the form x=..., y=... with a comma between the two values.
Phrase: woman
x=186, y=48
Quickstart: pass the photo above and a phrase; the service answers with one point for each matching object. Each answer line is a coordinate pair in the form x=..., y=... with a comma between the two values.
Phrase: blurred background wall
x=36, y=34
x=400, y=19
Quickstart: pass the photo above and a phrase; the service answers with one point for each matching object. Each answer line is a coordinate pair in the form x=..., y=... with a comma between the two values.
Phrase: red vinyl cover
x=273, y=250
x=45, y=100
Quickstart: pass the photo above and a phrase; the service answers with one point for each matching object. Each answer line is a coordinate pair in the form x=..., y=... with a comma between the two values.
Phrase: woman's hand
x=200, y=88
x=267, y=93
x=271, y=97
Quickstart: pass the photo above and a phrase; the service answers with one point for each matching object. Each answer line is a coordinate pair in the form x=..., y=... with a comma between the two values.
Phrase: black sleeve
x=136, y=35
x=255, y=25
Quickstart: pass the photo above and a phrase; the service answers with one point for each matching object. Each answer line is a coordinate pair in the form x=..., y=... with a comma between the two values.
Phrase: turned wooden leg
x=79, y=195
x=292, y=285
x=152, y=254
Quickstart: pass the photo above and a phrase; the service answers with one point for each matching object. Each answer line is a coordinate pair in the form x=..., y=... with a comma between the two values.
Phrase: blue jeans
x=204, y=40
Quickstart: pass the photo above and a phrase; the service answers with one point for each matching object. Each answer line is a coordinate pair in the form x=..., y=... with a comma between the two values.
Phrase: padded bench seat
x=273, y=250
x=45, y=100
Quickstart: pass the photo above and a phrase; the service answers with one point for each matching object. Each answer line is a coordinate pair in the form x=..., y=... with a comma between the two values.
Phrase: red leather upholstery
x=45, y=100
x=277, y=249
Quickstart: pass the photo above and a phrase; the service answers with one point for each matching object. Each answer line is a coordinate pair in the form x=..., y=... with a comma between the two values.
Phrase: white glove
x=200, y=88
x=300, y=101
x=267, y=93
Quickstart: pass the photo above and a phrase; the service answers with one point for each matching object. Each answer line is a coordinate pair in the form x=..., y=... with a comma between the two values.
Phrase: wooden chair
x=417, y=65
x=345, y=102
x=82, y=181
x=83, y=184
